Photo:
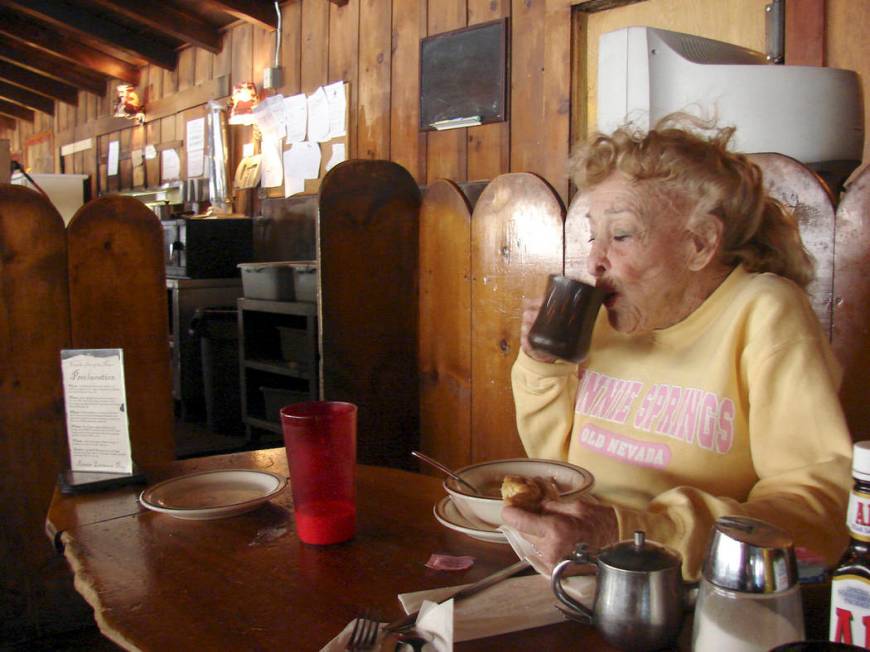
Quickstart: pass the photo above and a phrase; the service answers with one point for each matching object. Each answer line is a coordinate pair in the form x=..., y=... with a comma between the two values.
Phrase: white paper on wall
x=271, y=164
x=170, y=165
x=112, y=163
x=338, y=155
x=337, y=103
x=195, y=145
x=293, y=185
x=269, y=117
x=318, y=116
x=303, y=160
x=296, y=117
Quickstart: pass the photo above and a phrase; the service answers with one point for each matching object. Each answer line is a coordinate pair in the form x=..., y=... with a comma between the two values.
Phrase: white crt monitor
x=809, y=113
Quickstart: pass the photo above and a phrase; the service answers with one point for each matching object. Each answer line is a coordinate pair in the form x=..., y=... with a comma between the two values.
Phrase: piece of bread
x=528, y=493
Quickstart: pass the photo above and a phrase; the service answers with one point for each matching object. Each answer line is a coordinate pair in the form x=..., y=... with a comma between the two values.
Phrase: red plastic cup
x=320, y=438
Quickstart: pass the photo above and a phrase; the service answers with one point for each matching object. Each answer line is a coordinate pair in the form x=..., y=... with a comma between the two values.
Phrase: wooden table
x=247, y=583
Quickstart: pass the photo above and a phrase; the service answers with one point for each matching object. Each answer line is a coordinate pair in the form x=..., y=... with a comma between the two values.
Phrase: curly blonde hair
x=688, y=158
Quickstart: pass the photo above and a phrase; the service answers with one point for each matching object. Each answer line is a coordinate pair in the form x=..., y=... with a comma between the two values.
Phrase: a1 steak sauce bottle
x=850, y=581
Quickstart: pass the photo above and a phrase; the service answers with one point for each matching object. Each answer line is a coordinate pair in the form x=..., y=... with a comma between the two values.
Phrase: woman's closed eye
x=621, y=237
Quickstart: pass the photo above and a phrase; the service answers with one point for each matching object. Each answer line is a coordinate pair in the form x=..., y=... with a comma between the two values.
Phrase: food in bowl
x=528, y=493
x=483, y=511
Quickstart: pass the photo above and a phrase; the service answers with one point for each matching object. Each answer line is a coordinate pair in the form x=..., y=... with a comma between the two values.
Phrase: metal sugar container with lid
x=750, y=556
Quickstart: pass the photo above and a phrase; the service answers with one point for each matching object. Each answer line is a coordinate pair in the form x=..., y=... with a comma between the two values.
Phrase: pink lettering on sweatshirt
x=687, y=414
x=606, y=397
x=631, y=451
x=725, y=435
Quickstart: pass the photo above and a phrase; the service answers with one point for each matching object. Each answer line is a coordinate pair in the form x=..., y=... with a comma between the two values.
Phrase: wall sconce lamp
x=128, y=104
x=242, y=103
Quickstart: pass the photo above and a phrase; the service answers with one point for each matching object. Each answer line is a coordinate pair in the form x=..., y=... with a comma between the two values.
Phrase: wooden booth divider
x=445, y=323
x=117, y=283
x=798, y=188
x=475, y=272
x=851, y=329
x=368, y=258
x=34, y=327
x=516, y=242
x=98, y=284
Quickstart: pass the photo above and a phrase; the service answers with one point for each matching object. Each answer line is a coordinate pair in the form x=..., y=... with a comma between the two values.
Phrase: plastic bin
x=217, y=329
x=305, y=282
x=275, y=398
x=279, y=281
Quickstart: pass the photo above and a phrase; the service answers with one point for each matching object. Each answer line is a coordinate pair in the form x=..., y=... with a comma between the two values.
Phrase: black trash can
x=217, y=329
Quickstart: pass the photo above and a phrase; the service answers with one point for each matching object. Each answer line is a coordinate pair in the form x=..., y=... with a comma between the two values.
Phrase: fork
x=364, y=634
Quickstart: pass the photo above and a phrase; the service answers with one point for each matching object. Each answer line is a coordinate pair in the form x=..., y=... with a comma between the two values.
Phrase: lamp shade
x=128, y=104
x=242, y=103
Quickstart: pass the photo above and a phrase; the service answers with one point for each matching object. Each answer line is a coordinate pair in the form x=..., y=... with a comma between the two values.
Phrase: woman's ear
x=705, y=235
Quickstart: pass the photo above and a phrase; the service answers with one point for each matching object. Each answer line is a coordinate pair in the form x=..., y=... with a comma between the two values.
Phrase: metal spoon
x=438, y=465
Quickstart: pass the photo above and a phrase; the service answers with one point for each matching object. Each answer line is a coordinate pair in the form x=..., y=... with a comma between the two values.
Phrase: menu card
x=96, y=410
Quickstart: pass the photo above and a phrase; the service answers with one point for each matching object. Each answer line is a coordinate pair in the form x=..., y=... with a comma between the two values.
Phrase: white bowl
x=487, y=477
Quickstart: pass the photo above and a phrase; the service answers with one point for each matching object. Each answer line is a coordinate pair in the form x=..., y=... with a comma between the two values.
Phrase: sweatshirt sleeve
x=801, y=450
x=809, y=503
x=544, y=401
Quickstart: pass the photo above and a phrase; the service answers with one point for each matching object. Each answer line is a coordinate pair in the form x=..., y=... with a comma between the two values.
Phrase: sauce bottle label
x=858, y=515
x=850, y=610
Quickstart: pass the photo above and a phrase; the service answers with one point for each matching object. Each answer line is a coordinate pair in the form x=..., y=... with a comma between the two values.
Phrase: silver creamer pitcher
x=640, y=598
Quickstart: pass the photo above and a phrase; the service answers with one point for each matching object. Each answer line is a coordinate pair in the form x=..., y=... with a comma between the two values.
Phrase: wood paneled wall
x=374, y=45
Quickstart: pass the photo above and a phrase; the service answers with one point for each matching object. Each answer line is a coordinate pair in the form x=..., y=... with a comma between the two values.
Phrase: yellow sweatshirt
x=732, y=411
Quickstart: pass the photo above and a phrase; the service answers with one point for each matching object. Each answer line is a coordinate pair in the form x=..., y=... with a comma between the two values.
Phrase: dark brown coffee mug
x=563, y=327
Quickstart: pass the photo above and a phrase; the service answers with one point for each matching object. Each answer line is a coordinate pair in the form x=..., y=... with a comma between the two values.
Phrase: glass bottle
x=850, y=581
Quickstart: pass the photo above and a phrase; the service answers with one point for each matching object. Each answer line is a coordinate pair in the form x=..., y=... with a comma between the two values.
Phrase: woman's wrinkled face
x=639, y=246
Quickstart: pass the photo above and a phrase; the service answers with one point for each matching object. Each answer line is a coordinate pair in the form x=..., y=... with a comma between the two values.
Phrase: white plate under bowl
x=212, y=494
x=447, y=514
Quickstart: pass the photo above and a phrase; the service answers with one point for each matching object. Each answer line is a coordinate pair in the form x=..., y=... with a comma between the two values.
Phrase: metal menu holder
x=464, y=77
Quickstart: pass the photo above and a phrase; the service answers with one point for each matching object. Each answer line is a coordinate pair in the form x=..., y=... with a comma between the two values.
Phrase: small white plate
x=212, y=494
x=447, y=514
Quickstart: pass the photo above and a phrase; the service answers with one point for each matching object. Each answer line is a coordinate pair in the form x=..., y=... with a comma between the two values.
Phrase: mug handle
x=576, y=610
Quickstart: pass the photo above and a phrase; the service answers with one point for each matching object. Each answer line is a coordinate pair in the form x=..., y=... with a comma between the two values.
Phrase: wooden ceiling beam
x=16, y=111
x=26, y=98
x=591, y=6
x=17, y=27
x=40, y=61
x=41, y=84
x=258, y=12
x=168, y=20
x=119, y=40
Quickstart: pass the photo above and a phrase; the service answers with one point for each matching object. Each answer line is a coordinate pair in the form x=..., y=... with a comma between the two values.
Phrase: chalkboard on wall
x=464, y=77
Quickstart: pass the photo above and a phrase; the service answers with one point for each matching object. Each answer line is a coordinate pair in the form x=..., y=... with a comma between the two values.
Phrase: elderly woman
x=710, y=388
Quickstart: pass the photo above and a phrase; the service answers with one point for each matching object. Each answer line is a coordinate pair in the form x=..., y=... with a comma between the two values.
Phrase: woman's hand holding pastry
x=559, y=526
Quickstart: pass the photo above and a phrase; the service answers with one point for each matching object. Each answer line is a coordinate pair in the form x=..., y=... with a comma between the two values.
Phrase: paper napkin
x=434, y=623
x=512, y=605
